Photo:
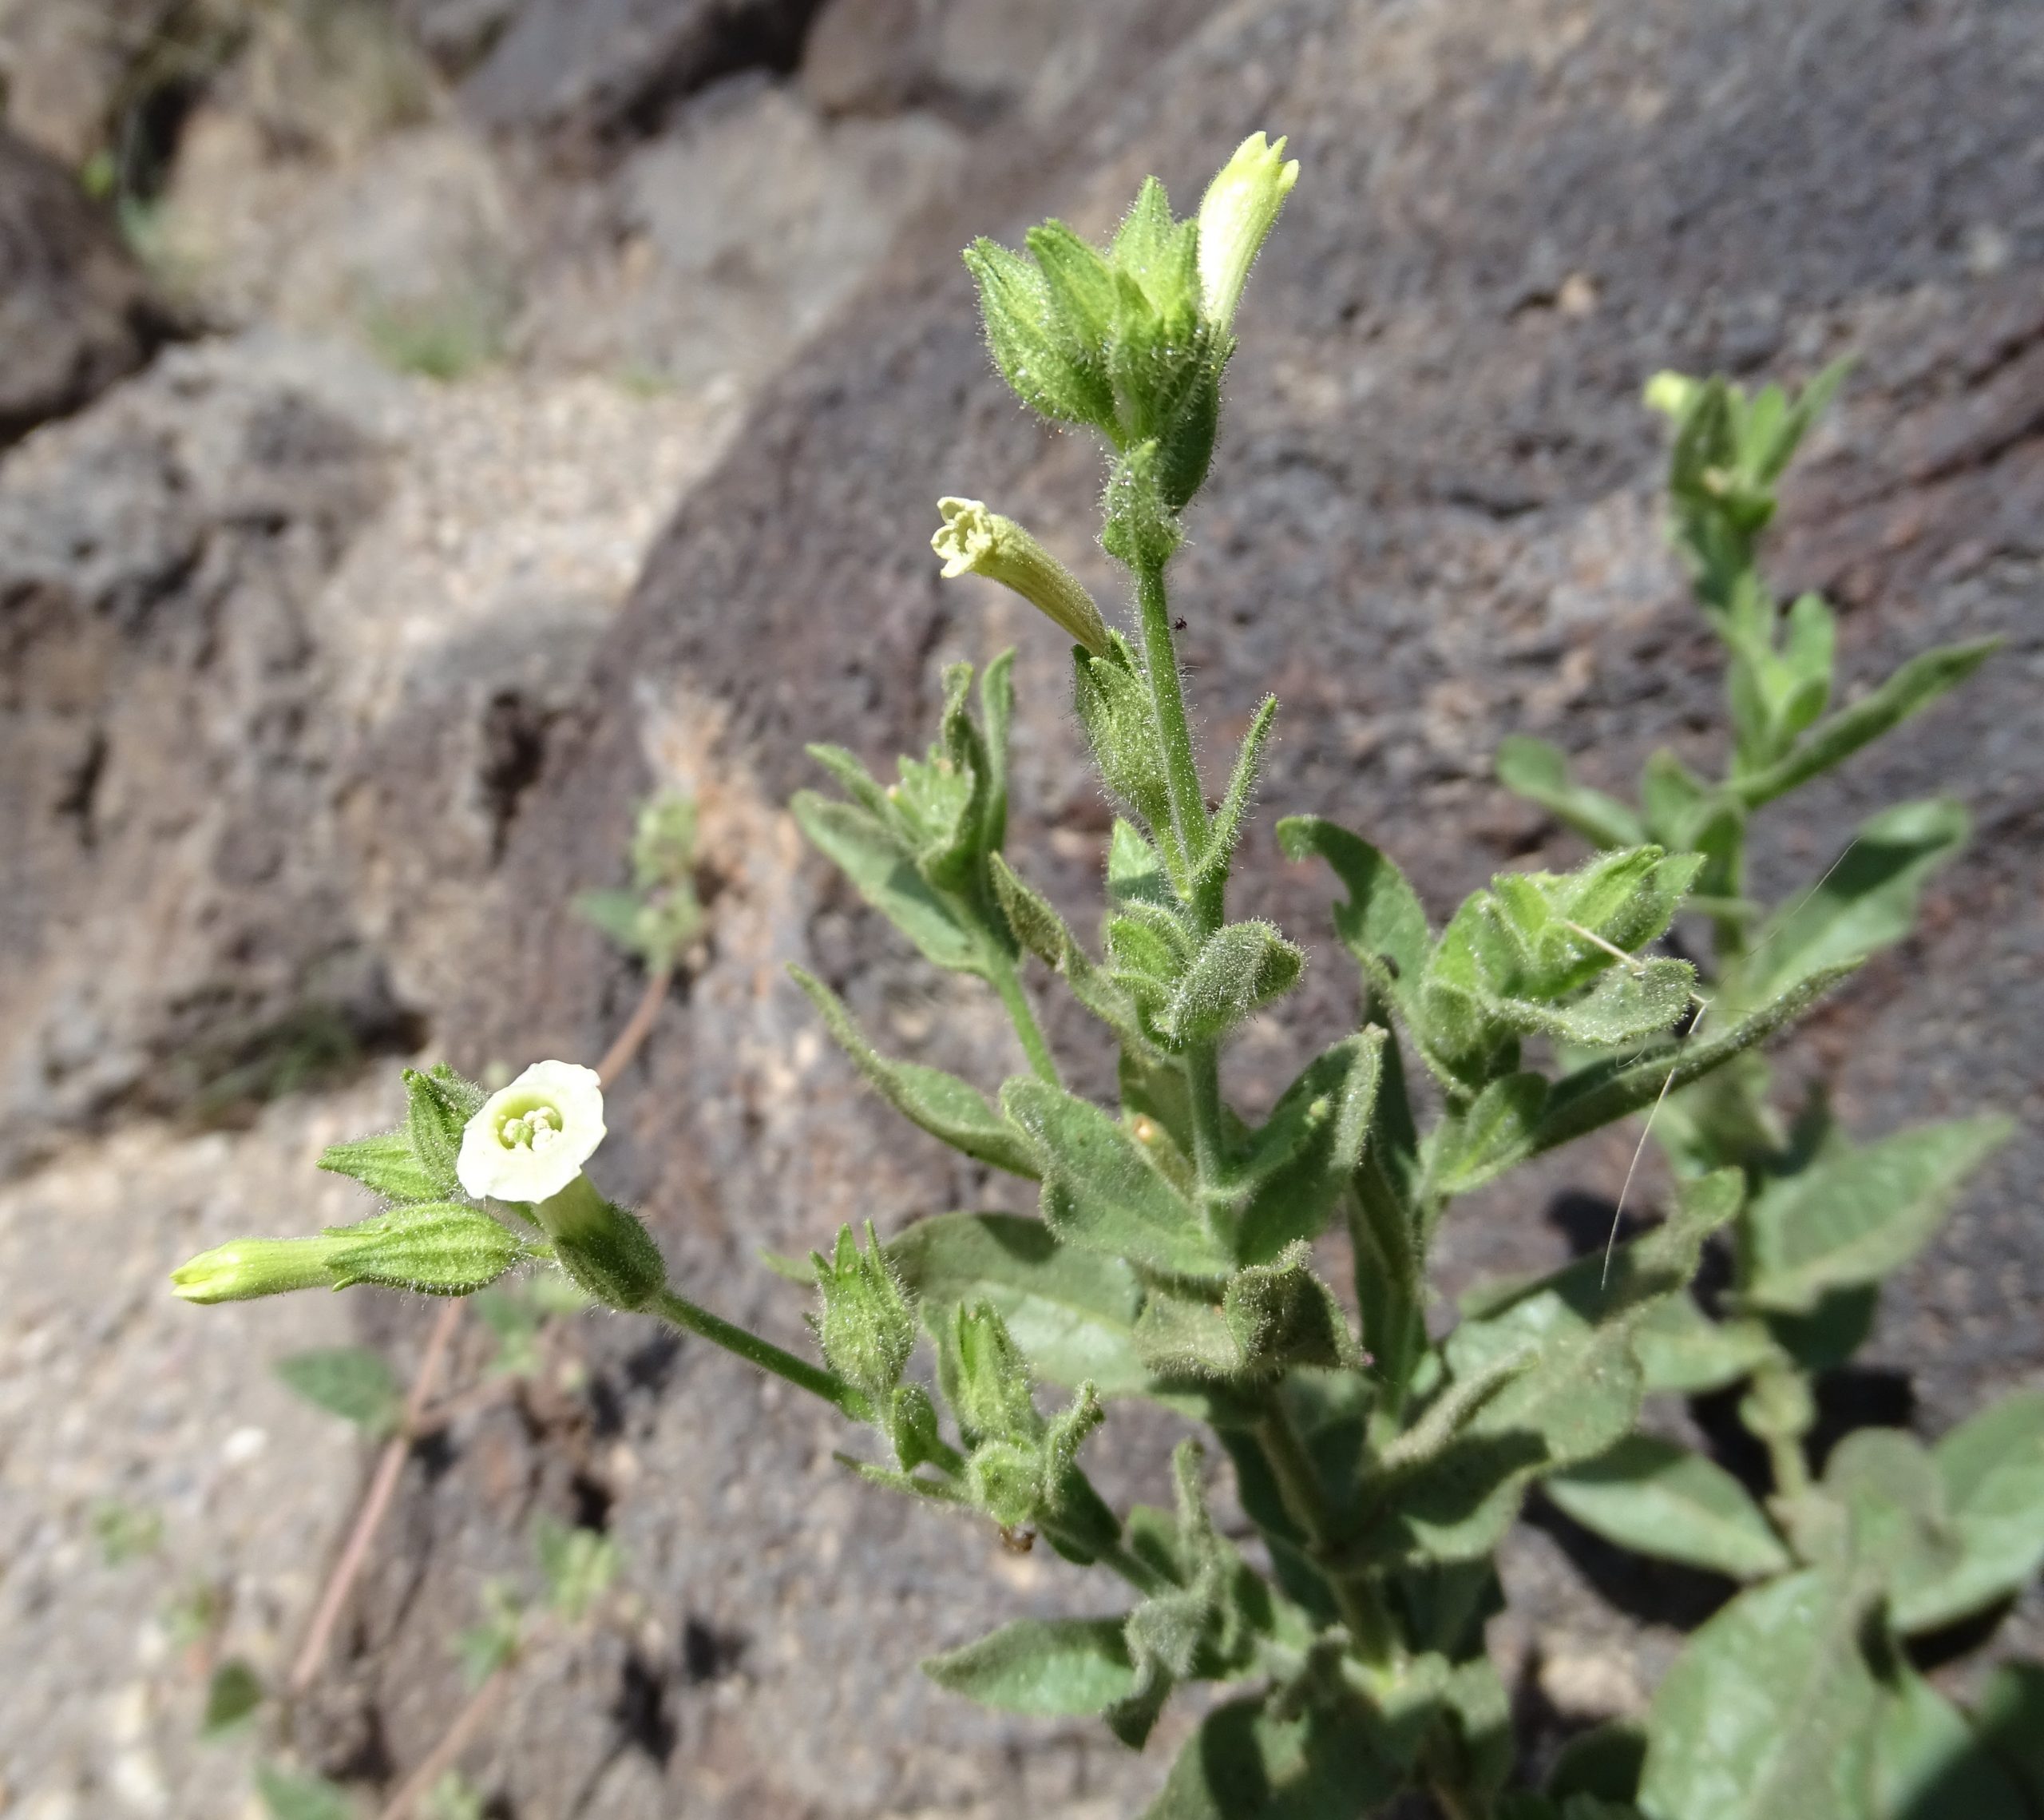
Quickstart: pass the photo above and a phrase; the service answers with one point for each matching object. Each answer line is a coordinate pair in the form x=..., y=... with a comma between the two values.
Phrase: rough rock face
x=1434, y=523
x=339, y=710
x=75, y=314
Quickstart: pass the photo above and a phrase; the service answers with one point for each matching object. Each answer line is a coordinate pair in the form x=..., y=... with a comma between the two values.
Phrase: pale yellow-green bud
x=1671, y=393
x=1235, y=217
x=976, y=542
x=245, y=1268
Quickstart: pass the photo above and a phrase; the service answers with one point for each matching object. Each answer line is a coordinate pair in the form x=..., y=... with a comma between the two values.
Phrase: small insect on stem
x=1018, y=1538
x=1177, y=624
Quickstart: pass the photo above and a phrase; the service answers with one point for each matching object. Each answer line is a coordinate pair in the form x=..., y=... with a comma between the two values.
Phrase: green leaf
x=884, y=873
x=1683, y=1351
x=1596, y=1096
x=947, y=1107
x=1836, y=738
x=1882, y=1516
x=1658, y=1499
x=292, y=1797
x=1064, y=1666
x=384, y=1164
x=1100, y=1190
x=1865, y=902
x=2009, y=1716
x=1225, y=829
x=1603, y=1763
x=1247, y=1762
x=1993, y=1469
x=1042, y=932
x=1577, y=1394
x=351, y=1383
x=1537, y=770
x=1626, y=1005
x=577, y=1565
x=1297, y=1162
x=1237, y=971
x=1928, y=1765
x=1472, y=1147
x=1073, y=1312
x=1113, y=699
x=233, y=1694
x=1854, y=1215
x=1769, y=1713
x=1382, y=923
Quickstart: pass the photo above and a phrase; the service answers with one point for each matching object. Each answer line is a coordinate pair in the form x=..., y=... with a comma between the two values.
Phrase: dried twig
x=442, y=1755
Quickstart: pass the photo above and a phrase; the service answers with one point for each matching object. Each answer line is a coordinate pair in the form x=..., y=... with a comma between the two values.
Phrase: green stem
x=1008, y=982
x=1160, y=659
x=1355, y=1597
x=679, y=1311
x=1203, y=1073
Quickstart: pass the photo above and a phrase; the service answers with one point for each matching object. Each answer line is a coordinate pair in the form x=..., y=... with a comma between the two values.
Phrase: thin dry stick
x=441, y=1756
x=382, y=1485
x=390, y=1464
x=1618, y=1212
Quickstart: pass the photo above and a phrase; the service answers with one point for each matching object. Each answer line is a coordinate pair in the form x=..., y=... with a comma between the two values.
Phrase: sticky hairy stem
x=1305, y=1502
x=679, y=1311
x=1167, y=702
x=1008, y=982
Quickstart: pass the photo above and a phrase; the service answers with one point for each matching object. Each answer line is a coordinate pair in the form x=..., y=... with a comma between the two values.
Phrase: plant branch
x=1305, y=1502
x=1008, y=981
x=1160, y=660
x=441, y=1757
x=679, y=1311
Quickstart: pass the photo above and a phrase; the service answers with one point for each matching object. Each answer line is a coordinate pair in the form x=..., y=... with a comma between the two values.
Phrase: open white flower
x=531, y=1139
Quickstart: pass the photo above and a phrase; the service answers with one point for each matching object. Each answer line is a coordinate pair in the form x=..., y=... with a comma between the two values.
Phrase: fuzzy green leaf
x=1100, y=1191
x=1382, y=924
x=1113, y=700
x=884, y=873
x=1681, y=1350
x=1835, y=738
x=942, y=1105
x=1335, y=1761
x=2009, y=1716
x=1769, y=1714
x=1469, y=1149
x=1625, y=1006
x=384, y=1164
x=1237, y=971
x=1061, y=1666
x=233, y=1693
x=442, y=1103
x=1866, y=903
x=351, y=1383
x=1929, y=1765
x=1225, y=829
x=1537, y=770
x=1658, y=1499
x=1073, y=1312
x=288, y=1796
x=1993, y=1469
x=1596, y=1096
x=1043, y=933
x=1299, y=1160
x=1852, y=1217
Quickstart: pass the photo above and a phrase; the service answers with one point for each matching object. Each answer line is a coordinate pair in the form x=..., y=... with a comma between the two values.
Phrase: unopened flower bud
x=976, y=542
x=245, y=1268
x=867, y=1328
x=531, y=1139
x=1670, y=394
x=1237, y=214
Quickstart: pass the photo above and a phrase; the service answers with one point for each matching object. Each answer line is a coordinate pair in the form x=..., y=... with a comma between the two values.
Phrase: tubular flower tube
x=1236, y=215
x=531, y=1139
x=976, y=542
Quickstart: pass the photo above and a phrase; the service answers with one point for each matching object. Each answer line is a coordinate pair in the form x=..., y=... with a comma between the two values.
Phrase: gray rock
x=588, y=70
x=75, y=312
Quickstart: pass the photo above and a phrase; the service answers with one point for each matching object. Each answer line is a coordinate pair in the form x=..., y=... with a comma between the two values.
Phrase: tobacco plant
x=1179, y=1252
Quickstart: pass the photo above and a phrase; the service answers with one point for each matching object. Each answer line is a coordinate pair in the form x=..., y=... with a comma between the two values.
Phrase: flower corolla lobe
x=531, y=1139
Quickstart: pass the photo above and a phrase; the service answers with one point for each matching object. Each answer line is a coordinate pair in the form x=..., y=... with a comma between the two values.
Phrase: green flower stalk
x=976, y=542
x=1236, y=217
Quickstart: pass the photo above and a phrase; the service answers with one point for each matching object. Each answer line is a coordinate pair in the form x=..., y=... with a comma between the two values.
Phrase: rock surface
x=75, y=313
x=329, y=632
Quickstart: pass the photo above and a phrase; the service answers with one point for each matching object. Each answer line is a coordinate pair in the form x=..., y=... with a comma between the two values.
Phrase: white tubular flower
x=1237, y=212
x=530, y=1140
x=976, y=542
